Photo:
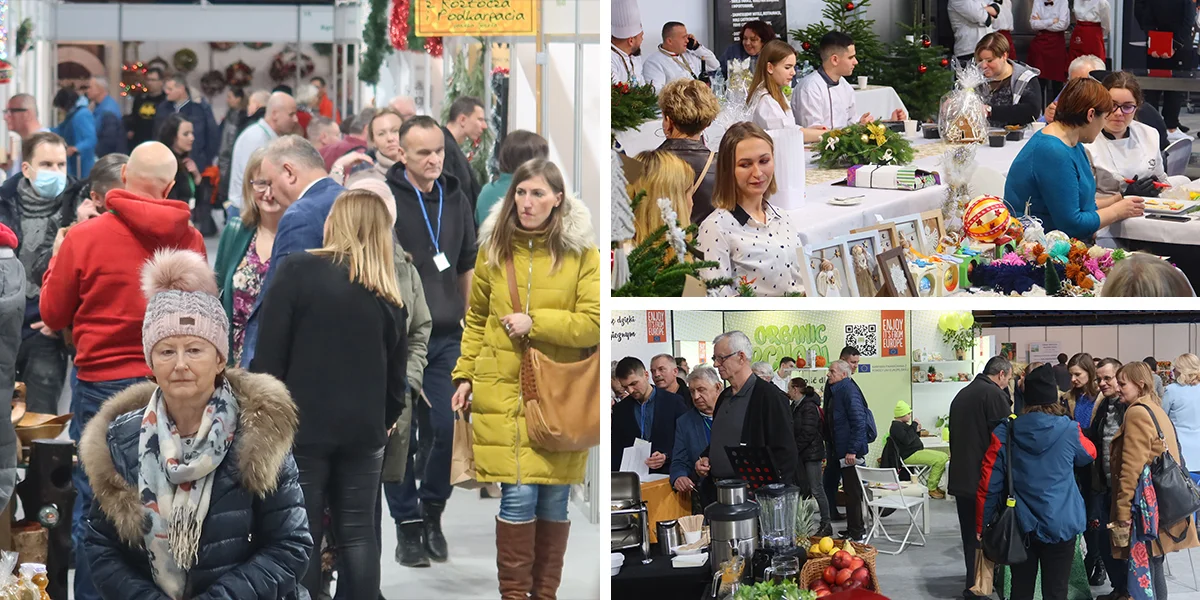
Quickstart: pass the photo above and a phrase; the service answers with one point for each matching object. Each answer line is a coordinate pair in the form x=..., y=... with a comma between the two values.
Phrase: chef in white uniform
x=627, y=37
x=825, y=97
x=971, y=20
x=675, y=60
x=1125, y=148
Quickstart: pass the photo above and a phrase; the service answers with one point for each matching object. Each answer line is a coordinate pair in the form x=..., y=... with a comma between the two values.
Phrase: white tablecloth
x=818, y=221
x=879, y=100
x=1152, y=230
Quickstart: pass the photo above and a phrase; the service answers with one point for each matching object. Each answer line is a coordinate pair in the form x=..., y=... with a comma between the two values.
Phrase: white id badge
x=441, y=262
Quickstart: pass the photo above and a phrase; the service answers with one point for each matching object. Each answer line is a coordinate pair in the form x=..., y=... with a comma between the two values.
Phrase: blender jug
x=777, y=516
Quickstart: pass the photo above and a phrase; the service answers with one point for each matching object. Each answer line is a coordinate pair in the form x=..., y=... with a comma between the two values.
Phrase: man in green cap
x=906, y=435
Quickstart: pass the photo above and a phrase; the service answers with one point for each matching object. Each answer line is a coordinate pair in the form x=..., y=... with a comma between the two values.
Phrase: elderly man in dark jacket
x=692, y=432
x=750, y=411
x=973, y=414
x=848, y=419
x=810, y=446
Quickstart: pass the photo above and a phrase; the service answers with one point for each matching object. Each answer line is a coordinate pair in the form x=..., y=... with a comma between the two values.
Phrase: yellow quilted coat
x=565, y=308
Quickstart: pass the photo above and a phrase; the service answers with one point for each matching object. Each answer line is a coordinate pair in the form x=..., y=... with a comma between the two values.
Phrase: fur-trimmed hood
x=267, y=424
x=577, y=225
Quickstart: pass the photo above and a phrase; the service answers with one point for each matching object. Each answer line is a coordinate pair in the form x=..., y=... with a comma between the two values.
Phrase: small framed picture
x=862, y=250
x=826, y=270
x=897, y=279
x=908, y=229
x=888, y=238
x=931, y=231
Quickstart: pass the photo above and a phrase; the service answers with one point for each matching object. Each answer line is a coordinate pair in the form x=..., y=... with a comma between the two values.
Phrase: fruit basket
x=814, y=568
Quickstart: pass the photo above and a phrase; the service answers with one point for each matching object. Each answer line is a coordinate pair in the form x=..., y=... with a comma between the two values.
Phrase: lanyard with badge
x=439, y=259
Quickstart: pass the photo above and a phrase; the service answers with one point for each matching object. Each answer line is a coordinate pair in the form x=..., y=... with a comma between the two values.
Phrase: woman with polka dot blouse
x=748, y=238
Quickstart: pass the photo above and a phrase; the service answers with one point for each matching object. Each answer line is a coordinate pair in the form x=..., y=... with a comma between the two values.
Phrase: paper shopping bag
x=983, y=575
x=462, y=463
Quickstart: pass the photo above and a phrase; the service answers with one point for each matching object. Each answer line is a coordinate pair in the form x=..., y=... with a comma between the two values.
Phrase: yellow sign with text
x=475, y=17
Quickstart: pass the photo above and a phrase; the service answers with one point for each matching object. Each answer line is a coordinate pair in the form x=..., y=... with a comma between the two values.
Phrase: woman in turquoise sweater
x=517, y=147
x=1051, y=178
x=244, y=253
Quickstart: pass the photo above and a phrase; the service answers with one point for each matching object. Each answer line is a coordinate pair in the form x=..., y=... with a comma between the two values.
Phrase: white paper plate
x=846, y=201
x=686, y=561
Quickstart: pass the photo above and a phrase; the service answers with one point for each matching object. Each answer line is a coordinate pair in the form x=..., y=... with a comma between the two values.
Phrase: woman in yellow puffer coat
x=549, y=237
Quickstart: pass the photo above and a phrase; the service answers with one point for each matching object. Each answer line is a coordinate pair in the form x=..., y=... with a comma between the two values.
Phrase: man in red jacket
x=94, y=285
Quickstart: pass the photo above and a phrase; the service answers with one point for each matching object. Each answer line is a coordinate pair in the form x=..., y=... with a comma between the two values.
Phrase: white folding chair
x=918, y=472
x=882, y=489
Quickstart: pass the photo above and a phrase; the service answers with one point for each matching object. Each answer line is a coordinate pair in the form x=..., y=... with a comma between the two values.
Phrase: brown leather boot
x=551, y=547
x=514, y=558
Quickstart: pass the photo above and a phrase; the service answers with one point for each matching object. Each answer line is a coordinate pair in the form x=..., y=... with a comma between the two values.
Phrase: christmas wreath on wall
x=285, y=64
x=239, y=74
x=185, y=60
x=222, y=46
x=212, y=83
x=257, y=45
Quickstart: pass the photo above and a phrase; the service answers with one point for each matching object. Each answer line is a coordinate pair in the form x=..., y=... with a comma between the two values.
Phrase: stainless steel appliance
x=732, y=522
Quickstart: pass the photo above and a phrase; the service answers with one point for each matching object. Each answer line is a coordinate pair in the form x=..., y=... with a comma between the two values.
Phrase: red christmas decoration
x=434, y=46
x=921, y=69
x=398, y=25
x=926, y=43
x=945, y=62
x=806, y=46
x=849, y=6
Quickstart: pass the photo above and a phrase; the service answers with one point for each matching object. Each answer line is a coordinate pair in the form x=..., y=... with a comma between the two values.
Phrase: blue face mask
x=49, y=184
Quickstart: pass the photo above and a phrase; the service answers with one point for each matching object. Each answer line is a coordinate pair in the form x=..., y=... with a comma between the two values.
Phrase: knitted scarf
x=175, y=481
x=39, y=218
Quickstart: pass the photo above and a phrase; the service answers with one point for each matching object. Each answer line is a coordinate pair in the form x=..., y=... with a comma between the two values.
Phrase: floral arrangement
x=239, y=74
x=958, y=331
x=858, y=144
x=632, y=106
x=1082, y=266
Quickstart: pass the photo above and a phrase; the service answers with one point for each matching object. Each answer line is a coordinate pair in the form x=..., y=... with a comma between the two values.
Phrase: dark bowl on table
x=996, y=138
x=931, y=131
x=897, y=126
x=1016, y=135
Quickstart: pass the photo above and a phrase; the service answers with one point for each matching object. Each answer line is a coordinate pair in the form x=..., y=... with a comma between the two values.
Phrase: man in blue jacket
x=849, y=424
x=205, y=130
x=693, y=432
x=110, y=131
x=1045, y=449
x=300, y=184
x=647, y=413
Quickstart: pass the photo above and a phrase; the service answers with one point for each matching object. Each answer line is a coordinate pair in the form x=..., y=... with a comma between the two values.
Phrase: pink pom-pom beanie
x=181, y=294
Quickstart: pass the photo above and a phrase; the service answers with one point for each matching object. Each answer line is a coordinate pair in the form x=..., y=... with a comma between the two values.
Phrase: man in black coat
x=466, y=122
x=974, y=412
x=750, y=412
x=204, y=124
x=647, y=413
x=1107, y=419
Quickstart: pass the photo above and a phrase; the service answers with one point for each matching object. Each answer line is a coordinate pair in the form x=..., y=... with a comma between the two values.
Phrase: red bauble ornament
x=398, y=25
x=926, y=43
x=806, y=46
x=849, y=6
x=434, y=46
x=945, y=62
x=921, y=69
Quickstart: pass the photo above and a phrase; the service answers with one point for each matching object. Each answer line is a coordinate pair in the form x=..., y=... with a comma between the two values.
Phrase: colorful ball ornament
x=849, y=6
x=945, y=62
x=806, y=46
x=986, y=218
x=921, y=69
x=926, y=43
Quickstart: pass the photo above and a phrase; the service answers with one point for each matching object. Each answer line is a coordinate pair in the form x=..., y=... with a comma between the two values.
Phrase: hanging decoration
x=6, y=71
x=131, y=78
x=239, y=74
x=25, y=36
x=222, y=46
x=212, y=83
x=375, y=42
x=399, y=24
x=434, y=46
x=287, y=62
x=185, y=60
x=4, y=30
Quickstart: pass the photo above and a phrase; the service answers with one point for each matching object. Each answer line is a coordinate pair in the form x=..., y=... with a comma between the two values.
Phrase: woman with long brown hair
x=1145, y=434
x=735, y=234
x=543, y=237
x=334, y=330
x=771, y=106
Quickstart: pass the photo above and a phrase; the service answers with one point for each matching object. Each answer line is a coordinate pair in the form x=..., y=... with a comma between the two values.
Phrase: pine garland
x=632, y=105
x=375, y=42
x=857, y=144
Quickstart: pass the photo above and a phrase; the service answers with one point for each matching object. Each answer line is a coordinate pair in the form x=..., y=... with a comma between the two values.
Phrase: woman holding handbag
x=1045, y=448
x=538, y=246
x=1146, y=435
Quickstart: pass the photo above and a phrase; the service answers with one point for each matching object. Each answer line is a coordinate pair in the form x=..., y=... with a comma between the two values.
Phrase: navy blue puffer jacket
x=849, y=419
x=254, y=542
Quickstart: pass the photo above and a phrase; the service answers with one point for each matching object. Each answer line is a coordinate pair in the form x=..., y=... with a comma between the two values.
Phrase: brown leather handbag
x=562, y=400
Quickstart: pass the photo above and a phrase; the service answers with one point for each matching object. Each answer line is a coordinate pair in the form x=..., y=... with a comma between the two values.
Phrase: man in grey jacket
x=12, y=313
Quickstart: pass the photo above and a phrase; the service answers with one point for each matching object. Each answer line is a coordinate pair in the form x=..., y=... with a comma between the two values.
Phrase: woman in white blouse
x=770, y=107
x=1125, y=149
x=750, y=240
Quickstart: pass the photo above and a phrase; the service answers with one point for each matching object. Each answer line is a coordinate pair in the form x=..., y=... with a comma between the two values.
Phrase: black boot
x=410, y=547
x=435, y=542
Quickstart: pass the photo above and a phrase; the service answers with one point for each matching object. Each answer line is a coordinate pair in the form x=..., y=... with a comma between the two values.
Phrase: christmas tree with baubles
x=920, y=71
x=848, y=17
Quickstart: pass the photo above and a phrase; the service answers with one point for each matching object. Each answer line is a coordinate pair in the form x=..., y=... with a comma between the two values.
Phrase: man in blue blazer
x=299, y=183
x=204, y=125
x=693, y=434
x=647, y=413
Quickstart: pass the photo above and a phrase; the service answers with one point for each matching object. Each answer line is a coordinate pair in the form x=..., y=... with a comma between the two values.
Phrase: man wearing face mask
x=35, y=204
x=94, y=286
x=436, y=225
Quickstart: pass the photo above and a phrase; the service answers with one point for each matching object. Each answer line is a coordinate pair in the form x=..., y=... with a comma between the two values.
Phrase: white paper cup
x=691, y=537
x=1036, y=126
x=862, y=82
x=910, y=128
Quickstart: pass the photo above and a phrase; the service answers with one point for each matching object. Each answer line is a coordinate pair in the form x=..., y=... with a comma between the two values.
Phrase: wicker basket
x=814, y=568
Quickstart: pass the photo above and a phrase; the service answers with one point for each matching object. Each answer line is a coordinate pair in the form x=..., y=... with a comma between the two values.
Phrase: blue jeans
x=86, y=398
x=436, y=424
x=524, y=503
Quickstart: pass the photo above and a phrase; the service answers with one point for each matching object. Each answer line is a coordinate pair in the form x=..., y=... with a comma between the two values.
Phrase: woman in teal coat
x=517, y=147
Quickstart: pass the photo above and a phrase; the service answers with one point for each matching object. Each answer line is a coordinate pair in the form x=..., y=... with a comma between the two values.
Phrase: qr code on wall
x=864, y=337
